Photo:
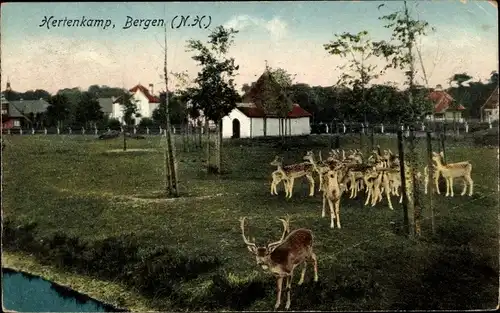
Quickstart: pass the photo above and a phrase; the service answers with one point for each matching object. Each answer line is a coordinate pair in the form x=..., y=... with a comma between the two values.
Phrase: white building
x=247, y=121
x=489, y=110
x=145, y=100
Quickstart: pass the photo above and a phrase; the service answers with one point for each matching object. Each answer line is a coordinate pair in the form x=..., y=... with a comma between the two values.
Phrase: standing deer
x=281, y=257
x=454, y=170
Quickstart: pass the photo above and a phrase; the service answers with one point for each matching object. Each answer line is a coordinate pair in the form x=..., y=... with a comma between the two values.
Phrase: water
x=26, y=293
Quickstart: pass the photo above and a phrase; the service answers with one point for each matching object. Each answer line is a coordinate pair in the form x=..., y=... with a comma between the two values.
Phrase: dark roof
x=13, y=111
x=266, y=83
x=30, y=106
x=106, y=104
x=254, y=111
x=442, y=101
x=492, y=102
x=145, y=91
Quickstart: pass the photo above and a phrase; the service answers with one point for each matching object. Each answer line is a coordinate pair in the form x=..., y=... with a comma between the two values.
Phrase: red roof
x=145, y=91
x=442, y=100
x=296, y=112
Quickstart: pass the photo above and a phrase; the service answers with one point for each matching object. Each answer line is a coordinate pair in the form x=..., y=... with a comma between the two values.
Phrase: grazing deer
x=278, y=176
x=454, y=170
x=281, y=257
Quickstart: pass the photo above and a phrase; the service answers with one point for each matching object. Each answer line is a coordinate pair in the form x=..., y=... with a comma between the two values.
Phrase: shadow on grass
x=454, y=277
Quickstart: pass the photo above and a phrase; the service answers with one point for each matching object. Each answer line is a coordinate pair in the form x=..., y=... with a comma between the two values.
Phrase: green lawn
x=70, y=203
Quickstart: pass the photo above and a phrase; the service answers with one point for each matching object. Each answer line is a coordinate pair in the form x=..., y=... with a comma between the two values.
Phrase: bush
x=488, y=137
x=114, y=124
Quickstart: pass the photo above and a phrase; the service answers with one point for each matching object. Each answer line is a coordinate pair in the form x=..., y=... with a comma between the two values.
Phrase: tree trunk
x=124, y=140
x=171, y=166
x=207, y=131
x=218, y=153
x=265, y=126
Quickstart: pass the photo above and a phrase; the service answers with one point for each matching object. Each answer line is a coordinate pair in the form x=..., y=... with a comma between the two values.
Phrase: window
x=17, y=123
x=5, y=112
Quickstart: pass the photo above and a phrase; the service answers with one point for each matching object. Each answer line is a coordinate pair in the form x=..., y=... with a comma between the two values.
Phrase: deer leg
x=315, y=262
x=369, y=188
x=290, y=187
x=332, y=213
x=337, y=212
x=320, y=181
x=273, y=187
x=311, y=185
x=303, y=274
x=323, y=212
x=288, y=290
x=286, y=185
x=387, y=194
x=436, y=182
x=278, y=297
x=471, y=184
x=465, y=187
x=451, y=186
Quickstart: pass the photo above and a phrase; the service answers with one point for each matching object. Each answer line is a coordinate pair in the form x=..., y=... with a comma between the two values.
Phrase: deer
x=332, y=192
x=319, y=168
x=278, y=176
x=294, y=171
x=281, y=257
x=454, y=170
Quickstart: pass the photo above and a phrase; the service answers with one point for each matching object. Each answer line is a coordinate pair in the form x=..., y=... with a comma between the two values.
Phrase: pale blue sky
x=288, y=34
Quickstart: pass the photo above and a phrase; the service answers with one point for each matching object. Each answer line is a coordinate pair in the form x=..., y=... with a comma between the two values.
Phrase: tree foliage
x=88, y=111
x=129, y=106
x=214, y=92
x=357, y=73
x=58, y=110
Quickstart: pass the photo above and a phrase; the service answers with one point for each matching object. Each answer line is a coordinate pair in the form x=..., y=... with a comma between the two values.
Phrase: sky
x=289, y=35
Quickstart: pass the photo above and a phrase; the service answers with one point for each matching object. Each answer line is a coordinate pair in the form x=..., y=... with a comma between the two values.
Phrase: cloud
x=276, y=27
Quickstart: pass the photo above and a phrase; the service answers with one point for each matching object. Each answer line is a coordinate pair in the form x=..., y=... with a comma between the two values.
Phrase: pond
x=27, y=293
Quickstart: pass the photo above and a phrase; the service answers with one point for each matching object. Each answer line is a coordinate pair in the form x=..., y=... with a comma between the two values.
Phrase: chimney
x=151, y=89
x=439, y=87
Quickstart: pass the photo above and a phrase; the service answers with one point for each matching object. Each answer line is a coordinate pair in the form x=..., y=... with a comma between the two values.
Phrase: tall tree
x=282, y=105
x=400, y=52
x=129, y=107
x=58, y=110
x=89, y=111
x=358, y=49
x=214, y=92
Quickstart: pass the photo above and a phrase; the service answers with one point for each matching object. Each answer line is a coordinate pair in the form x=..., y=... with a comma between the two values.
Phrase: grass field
x=74, y=205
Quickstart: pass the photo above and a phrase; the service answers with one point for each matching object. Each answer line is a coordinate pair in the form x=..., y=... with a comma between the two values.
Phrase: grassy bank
x=80, y=209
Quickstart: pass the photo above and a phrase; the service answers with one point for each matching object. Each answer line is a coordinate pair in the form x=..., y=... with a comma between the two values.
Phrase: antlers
x=271, y=246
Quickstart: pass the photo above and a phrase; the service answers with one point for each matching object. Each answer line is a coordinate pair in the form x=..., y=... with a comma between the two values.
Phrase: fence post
x=147, y=131
x=382, y=129
x=443, y=147
x=70, y=131
x=83, y=131
x=32, y=131
x=403, y=182
x=343, y=125
x=489, y=123
x=415, y=205
x=423, y=126
x=109, y=129
x=45, y=131
x=58, y=131
x=466, y=127
x=363, y=128
x=121, y=129
x=161, y=131
x=372, y=138
x=430, y=184
x=95, y=131
x=20, y=131
x=8, y=131
x=135, y=130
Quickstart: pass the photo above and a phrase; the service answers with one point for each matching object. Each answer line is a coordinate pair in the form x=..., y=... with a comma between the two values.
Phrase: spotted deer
x=294, y=171
x=278, y=176
x=281, y=257
x=454, y=170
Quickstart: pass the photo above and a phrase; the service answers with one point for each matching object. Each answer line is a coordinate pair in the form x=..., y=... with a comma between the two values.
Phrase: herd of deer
x=342, y=171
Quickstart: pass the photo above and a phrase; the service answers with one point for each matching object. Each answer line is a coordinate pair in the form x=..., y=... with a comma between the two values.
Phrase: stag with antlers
x=281, y=257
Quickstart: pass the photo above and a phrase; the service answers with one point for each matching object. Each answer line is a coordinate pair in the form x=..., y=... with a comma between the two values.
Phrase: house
x=145, y=100
x=15, y=112
x=489, y=110
x=445, y=107
x=249, y=120
x=106, y=105
x=251, y=117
